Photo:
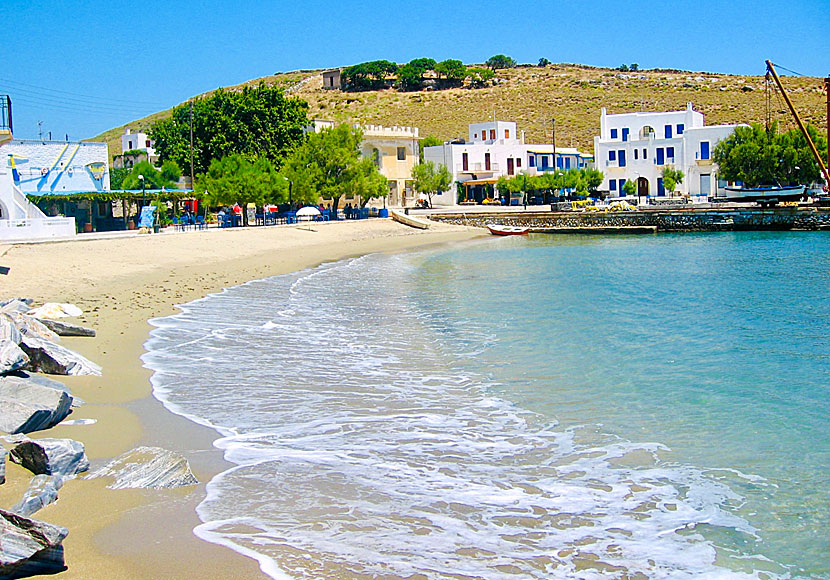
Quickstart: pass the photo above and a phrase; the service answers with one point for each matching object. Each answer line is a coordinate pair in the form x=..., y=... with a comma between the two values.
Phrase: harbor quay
x=649, y=221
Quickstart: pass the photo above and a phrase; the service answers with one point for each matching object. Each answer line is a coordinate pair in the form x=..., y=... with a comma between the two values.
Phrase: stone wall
x=685, y=220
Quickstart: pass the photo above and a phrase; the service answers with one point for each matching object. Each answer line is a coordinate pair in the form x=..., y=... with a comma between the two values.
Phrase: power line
x=788, y=70
x=32, y=97
x=93, y=97
x=70, y=107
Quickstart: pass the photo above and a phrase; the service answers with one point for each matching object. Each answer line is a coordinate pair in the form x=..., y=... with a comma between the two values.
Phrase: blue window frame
x=625, y=133
x=612, y=156
x=567, y=162
x=704, y=149
x=660, y=158
x=680, y=128
x=621, y=157
x=621, y=185
x=667, y=129
x=636, y=153
x=670, y=152
x=531, y=161
x=612, y=185
x=559, y=162
x=544, y=161
x=613, y=133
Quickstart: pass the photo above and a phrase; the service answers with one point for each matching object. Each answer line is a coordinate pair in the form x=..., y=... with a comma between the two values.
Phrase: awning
x=490, y=181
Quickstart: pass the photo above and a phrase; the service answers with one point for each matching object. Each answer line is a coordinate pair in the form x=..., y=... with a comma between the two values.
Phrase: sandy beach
x=120, y=283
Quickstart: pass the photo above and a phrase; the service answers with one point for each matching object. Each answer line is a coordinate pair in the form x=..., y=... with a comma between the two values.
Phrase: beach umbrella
x=308, y=212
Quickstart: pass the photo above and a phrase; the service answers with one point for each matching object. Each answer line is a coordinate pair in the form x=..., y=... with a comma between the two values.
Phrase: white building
x=494, y=149
x=135, y=142
x=638, y=146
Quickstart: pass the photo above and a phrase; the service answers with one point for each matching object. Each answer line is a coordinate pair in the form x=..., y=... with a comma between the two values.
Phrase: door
x=660, y=156
x=510, y=166
x=661, y=190
x=487, y=162
x=621, y=157
x=642, y=187
x=705, y=184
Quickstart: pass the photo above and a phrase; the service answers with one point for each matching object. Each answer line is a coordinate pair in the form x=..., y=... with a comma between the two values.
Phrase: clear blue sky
x=85, y=67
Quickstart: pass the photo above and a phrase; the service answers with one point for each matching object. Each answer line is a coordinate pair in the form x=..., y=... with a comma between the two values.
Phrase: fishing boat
x=770, y=195
x=501, y=230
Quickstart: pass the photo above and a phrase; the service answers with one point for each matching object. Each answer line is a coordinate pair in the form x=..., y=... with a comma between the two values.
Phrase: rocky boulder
x=31, y=406
x=29, y=326
x=21, y=305
x=12, y=357
x=29, y=547
x=3, y=454
x=50, y=358
x=8, y=329
x=42, y=491
x=63, y=457
x=147, y=467
x=62, y=328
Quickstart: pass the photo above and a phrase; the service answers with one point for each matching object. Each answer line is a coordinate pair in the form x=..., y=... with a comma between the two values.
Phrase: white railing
x=37, y=228
x=476, y=167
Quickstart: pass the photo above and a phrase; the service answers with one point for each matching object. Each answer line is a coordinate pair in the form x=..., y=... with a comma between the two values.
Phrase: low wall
x=37, y=229
x=677, y=220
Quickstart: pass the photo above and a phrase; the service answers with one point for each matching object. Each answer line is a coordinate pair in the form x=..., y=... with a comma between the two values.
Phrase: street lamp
x=143, y=196
x=290, y=184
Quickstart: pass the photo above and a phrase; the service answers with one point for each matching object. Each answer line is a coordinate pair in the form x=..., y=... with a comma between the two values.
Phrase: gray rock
x=29, y=547
x=29, y=326
x=12, y=357
x=65, y=328
x=29, y=406
x=43, y=490
x=16, y=305
x=147, y=467
x=8, y=329
x=3, y=454
x=50, y=358
x=51, y=456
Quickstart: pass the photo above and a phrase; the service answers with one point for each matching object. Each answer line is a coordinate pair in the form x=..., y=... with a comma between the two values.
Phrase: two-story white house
x=638, y=146
x=141, y=147
x=494, y=149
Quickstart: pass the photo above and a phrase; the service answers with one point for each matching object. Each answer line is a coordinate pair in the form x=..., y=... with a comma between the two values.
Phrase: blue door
x=660, y=189
x=704, y=149
x=625, y=134
x=660, y=157
x=621, y=157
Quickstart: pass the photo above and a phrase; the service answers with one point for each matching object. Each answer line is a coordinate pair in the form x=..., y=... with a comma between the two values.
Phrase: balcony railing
x=476, y=167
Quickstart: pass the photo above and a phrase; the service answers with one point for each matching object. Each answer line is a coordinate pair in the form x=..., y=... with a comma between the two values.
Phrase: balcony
x=477, y=168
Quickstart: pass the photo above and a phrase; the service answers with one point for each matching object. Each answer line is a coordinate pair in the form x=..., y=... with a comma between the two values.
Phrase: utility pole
x=40, y=130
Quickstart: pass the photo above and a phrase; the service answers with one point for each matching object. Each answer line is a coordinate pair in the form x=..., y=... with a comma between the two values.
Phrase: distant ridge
x=573, y=94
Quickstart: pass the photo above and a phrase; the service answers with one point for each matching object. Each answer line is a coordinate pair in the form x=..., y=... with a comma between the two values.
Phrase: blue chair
x=201, y=223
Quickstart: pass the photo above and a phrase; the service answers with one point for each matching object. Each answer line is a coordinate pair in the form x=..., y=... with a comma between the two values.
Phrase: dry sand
x=120, y=283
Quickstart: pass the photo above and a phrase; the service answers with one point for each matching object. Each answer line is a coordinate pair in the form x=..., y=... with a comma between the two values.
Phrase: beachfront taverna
x=637, y=146
x=494, y=149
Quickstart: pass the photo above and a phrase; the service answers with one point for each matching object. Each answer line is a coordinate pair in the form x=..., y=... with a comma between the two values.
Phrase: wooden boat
x=765, y=195
x=408, y=220
x=501, y=230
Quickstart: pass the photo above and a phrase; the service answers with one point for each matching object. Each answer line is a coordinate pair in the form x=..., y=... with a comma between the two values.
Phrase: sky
x=80, y=68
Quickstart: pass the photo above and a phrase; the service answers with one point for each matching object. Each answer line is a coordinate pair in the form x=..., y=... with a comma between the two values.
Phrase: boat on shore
x=770, y=195
x=501, y=230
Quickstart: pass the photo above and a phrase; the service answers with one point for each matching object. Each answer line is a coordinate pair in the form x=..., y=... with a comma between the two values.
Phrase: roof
x=88, y=192
x=480, y=182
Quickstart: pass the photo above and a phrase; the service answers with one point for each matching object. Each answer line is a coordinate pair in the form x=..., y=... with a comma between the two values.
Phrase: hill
x=532, y=96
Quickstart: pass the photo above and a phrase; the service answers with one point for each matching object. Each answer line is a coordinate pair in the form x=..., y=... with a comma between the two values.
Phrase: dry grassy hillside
x=532, y=96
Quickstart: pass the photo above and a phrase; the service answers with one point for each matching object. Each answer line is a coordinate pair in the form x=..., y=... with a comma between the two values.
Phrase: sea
x=521, y=407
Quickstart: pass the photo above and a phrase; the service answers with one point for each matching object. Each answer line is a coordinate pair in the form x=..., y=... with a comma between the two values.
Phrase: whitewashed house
x=494, y=149
x=638, y=146
x=141, y=147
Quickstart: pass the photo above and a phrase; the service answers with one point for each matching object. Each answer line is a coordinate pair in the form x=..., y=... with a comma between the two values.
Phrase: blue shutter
x=567, y=162
x=621, y=155
x=612, y=156
x=531, y=161
x=661, y=190
x=625, y=134
x=680, y=128
x=613, y=133
x=612, y=185
x=670, y=152
x=704, y=149
x=660, y=159
x=622, y=191
x=668, y=131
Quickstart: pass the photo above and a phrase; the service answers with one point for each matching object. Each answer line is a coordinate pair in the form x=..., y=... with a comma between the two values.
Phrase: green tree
x=758, y=156
x=500, y=61
x=117, y=176
x=428, y=141
x=235, y=179
x=429, y=179
x=543, y=62
x=411, y=75
x=152, y=177
x=671, y=178
x=453, y=72
x=629, y=189
x=254, y=122
x=328, y=165
x=479, y=77
x=368, y=75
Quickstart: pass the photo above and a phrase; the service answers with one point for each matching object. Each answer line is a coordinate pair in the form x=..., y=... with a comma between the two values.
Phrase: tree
x=757, y=156
x=429, y=179
x=543, y=62
x=500, y=61
x=428, y=141
x=629, y=189
x=367, y=75
x=235, y=179
x=328, y=165
x=452, y=71
x=152, y=177
x=411, y=75
x=479, y=77
x=671, y=178
x=254, y=122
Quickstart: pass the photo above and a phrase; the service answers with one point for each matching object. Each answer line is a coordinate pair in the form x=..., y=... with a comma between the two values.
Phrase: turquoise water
x=542, y=407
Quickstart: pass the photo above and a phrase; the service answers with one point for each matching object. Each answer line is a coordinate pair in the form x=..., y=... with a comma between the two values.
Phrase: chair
x=201, y=223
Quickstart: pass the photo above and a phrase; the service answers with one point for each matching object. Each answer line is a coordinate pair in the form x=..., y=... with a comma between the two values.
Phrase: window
x=507, y=133
x=567, y=162
x=668, y=131
x=680, y=128
x=487, y=161
x=625, y=134
x=401, y=153
x=613, y=133
x=475, y=135
x=465, y=162
x=531, y=161
x=636, y=151
x=645, y=153
x=660, y=158
x=612, y=156
x=147, y=143
x=670, y=153
x=544, y=159
x=621, y=157
x=492, y=134
x=559, y=162
x=518, y=162
x=704, y=149
x=621, y=185
x=612, y=185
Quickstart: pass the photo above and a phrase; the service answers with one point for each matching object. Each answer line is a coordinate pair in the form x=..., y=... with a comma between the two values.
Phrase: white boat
x=765, y=195
x=501, y=230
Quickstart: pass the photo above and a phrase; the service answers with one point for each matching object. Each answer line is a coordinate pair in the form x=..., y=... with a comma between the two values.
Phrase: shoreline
x=121, y=284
